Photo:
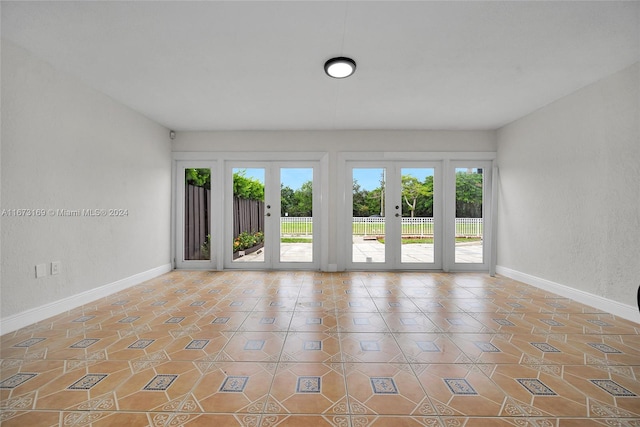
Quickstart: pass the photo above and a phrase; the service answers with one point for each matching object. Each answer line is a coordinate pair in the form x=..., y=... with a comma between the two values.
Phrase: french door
x=197, y=228
x=270, y=220
x=394, y=215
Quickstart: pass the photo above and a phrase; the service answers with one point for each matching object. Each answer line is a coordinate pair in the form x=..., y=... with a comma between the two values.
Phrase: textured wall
x=65, y=146
x=569, y=190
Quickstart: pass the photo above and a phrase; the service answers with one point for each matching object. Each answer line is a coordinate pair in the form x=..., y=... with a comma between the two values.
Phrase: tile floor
x=324, y=349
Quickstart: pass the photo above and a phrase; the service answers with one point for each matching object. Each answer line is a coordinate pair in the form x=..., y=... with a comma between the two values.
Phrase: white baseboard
x=33, y=315
x=625, y=311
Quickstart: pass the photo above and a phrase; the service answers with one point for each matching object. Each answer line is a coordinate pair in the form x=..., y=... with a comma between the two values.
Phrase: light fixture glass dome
x=340, y=67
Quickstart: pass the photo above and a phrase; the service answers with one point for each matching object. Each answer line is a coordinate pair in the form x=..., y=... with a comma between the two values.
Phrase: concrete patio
x=372, y=251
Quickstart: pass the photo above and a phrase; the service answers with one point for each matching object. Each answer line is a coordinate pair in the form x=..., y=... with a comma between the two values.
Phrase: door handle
x=397, y=214
x=268, y=214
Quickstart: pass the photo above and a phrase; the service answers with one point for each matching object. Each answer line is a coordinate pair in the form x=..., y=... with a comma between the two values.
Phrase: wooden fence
x=196, y=221
x=248, y=215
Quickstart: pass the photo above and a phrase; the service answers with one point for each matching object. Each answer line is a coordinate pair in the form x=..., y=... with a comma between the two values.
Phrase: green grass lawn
x=430, y=240
x=359, y=229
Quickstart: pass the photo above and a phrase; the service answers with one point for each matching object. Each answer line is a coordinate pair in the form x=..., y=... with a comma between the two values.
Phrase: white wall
x=66, y=146
x=569, y=190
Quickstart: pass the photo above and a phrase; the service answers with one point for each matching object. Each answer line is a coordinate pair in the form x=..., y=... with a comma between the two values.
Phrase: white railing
x=374, y=226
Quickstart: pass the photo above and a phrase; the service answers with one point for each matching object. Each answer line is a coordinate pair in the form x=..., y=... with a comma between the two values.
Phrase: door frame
x=218, y=159
x=448, y=161
x=393, y=223
x=487, y=215
x=272, y=198
x=178, y=208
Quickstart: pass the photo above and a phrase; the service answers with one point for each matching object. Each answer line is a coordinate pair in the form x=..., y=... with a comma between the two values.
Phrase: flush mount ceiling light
x=340, y=67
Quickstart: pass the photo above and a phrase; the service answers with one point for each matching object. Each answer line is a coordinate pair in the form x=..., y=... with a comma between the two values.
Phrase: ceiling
x=259, y=65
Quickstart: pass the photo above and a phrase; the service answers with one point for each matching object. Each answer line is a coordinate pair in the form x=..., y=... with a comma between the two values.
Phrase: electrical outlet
x=41, y=270
x=55, y=267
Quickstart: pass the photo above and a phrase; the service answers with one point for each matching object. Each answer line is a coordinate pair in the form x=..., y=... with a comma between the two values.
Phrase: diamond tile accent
x=140, y=344
x=236, y=303
x=312, y=345
x=536, y=387
x=181, y=291
x=369, y=346
x=428, y=346
x=129, y=319
x=160, y=382
x=555, y=305
x=121, y=302
x=275, y=304
x=254, y=345
x=197, y=345
x=504, y=322
x=197, y=304
x=543, y=346
x=604, y=348
x=613, y=388
x=221, y=320
x=314, y=304
x=355, y=304
x=83, y=319
x=360, y=321
x=28, y=343
x=395, y=304
x=456, y=322
x=176, y=319
x=88, y=381
x=407, y=321
x=308, y=385
x=598, y=322
x=267, y=320
x=158, y=303
x=214, y=291
x=16, y=380
x=551, y=322
x=383, y=385
x=433, y=304
x=234, y=384
x=248, y=291
x=487, y=347
x=85, y=343
x=459, y=386
x=515, y=305
x=314, y=321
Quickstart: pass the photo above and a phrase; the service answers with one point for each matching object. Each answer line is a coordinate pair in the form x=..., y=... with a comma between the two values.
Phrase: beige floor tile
x=298, y=348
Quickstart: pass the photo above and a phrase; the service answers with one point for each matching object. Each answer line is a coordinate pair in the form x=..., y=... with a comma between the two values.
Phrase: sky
x=290, y=177
x=368, y=178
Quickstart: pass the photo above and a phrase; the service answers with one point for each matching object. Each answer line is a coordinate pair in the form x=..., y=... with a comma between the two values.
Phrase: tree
x=468, y=195
x=412, y=190
x=360, y=207
x=198, y=177
x=247, y=188
x=296, y=203
x=286, y=199
x=303, y=198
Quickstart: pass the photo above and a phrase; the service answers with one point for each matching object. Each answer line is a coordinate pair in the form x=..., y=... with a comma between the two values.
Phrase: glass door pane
x=296, y=214
x=197, y=199
x=368, y=222
x=417, y=232
x=469, y=221
x=249, y=213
